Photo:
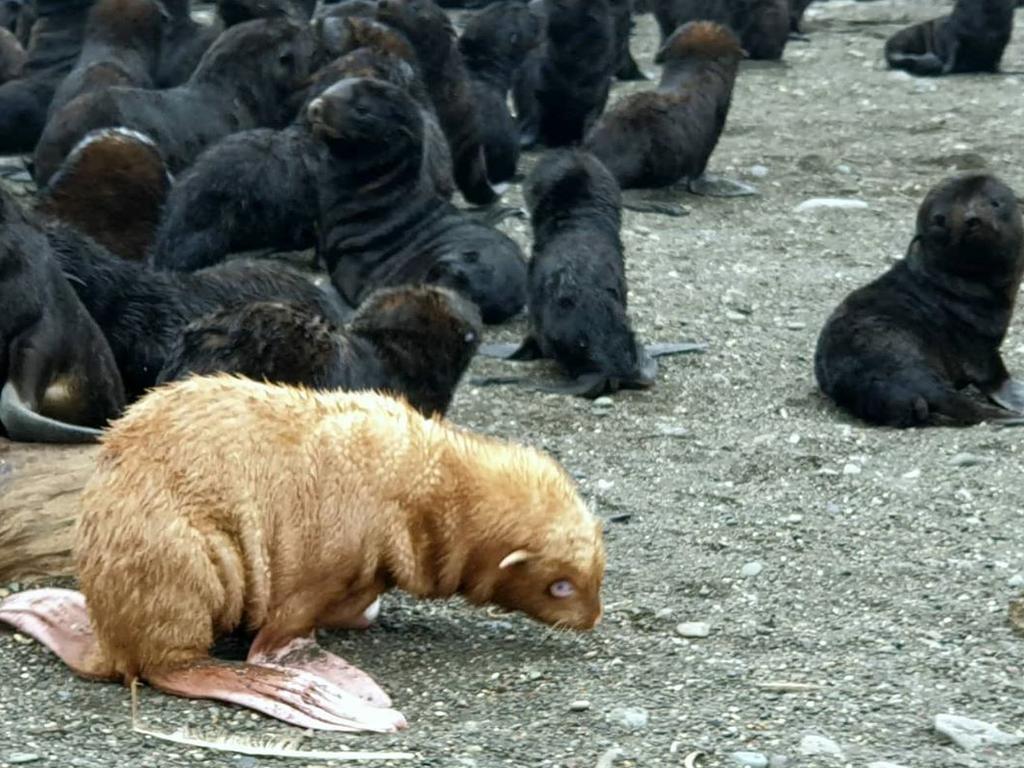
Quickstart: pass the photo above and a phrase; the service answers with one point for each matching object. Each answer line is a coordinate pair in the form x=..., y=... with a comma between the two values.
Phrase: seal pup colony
x=193, y=527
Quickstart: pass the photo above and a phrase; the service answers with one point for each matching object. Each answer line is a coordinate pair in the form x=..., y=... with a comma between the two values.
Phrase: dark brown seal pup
x=564, y=86
x=258, y=189
x=495, y=44
x=112, y=187
x=12, y=56
x=577, y=293
x=971, y=39
x=761, y=25
x=431, y=33
x=193, y=526
x=380, y=225
x=56, y=369
x=898, y=351
x=242, y=82
x=414, y=342
x=141, y=311
x=121, y=46
x=659, y=137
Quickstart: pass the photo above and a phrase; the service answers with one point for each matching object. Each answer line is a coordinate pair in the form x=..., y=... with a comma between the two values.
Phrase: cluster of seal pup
x=273, y=455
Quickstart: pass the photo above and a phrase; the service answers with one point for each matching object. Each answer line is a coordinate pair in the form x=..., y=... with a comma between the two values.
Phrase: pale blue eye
x=563, y=588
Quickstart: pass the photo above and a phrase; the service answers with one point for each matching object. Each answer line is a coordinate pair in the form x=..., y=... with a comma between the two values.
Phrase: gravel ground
x=873, y=566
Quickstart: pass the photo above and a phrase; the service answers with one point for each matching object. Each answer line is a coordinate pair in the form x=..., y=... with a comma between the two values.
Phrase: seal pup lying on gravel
x=413, y=342
x=194, y=526
x=899, y=350
x=243, y=81
x=971, y=39
x=381, y=225
x=660, y=137
x=577, y=290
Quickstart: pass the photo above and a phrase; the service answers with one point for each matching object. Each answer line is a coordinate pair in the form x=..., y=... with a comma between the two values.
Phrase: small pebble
x=843, y=168
x=851, y=469
x=750, y=759
x=605, y=485
x=20, y=758
x=967, y=460
x=838, y=203
x=759, y=171
x=813, y=744
x=603, y=402
x=629, y=717
x=580, y=705
x=693, y=629
x=970, y=734
x=752, y=569
x=912, y=474
x=1017, y=580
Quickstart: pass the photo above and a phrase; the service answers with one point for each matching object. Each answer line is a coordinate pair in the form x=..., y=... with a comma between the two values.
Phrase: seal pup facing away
x=971, y=39
x=495, y=44
x=564, y=86
x=112, y=187
x=243, y=81
x=577, y=289
x=898, y=351
x=58, y=376
x=221, y=524
x=660, y=137
x=762, y=26
x=432, y=35
x=121, y=46
x=413, y=342
x=379, y=224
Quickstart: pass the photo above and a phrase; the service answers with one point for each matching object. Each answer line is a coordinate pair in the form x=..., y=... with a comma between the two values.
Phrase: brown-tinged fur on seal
x=112, y=187
x=121, y=47
x=658, y=137
x=39, y=500
x=12, y=56
x=243, y=81
x=761, y=25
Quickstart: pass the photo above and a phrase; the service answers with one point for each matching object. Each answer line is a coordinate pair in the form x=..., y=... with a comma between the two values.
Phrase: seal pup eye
x=562, y=588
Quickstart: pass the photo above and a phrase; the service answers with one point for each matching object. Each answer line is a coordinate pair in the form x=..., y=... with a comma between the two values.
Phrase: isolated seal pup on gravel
x=495, y=44
x=577, y=288
x=971, y=39
x=898, y=351
x=242, y=82
x=193, y=526
x=379, y=224
x=663, y=136
x=112, y=187
x=121, y=47
x=58, y=376
x=414, y=342
x=564, y=86
x=444, y=71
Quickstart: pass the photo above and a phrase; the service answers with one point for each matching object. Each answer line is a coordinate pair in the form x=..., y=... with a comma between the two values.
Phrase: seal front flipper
x=641, y=205
x=717, y=186
x=23, y=424
x=586, y=385
x=528, y=350
x=923, y=65
x=662, y=349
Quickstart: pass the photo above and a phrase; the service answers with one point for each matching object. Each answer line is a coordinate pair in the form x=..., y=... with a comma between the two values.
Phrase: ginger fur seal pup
x=899, y=351
x=659, y=137
x=293, y=510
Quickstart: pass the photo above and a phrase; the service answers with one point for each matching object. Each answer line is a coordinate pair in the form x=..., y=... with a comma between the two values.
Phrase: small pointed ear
x=519, y=556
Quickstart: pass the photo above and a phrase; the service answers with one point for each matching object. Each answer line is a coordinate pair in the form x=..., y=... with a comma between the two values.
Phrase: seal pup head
x=701, y=40
x=970, y=226
x=360, y=112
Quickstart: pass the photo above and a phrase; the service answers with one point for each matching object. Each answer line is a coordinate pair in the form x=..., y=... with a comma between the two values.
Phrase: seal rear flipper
x=528, y=350
x=588, y=385
x=709, y=185
x=922, y=65
x=663, y=349
x=25, y=425
x=650, y=206
x=1009, y=395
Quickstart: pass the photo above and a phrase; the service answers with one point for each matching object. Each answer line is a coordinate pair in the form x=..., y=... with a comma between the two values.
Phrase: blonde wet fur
x=220, y=502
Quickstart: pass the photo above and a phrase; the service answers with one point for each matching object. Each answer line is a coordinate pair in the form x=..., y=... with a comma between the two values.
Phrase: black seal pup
x=141, y=310
x=258, y=189
x=495, y=44
x=971, y=39
x=626, y=68
x=112, y=187
x=412, y=341
x=242, y=82
x=380, y=225
x=762, y=26
x=577, y=280
x=121, y=47
x=444, y=71
x=660, y=137
x=898, y=351
x=234, y=12
x=58, y=375
x=564, y=86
